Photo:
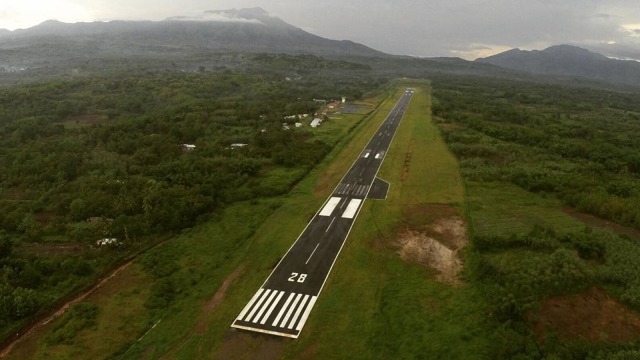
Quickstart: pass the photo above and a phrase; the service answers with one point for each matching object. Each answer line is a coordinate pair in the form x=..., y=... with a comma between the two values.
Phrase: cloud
x=215, y=17
x=475, y=51
x=465, y=28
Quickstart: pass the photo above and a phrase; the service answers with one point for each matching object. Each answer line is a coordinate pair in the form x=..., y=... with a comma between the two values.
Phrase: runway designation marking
x=380, y=154
x=352, y=208
x=366, y=155
x=314, y=250
x=331, y=205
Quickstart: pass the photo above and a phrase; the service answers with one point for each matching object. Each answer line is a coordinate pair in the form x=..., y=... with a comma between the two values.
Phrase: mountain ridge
x=246, y=30
x=568, y=61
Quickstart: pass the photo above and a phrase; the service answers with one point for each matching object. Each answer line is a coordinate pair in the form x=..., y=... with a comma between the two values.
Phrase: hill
x=568, y=61
x=245, y=30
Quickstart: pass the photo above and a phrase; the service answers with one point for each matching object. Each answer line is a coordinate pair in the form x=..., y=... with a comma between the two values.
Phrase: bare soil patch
x=87, y=120
x=406, y=164
x=61, y=311
x=433, y=236
x=207, y=308
x=216, y=299
x=595, y=221
x=593, y=315
x=250, y=346
x=14, y=194
x=49, y=250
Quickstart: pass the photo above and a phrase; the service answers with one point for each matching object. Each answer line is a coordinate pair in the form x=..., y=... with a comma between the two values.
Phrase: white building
x=316, y=122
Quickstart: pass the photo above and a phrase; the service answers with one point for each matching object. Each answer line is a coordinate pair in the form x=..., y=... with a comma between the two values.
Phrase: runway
x=284, y=302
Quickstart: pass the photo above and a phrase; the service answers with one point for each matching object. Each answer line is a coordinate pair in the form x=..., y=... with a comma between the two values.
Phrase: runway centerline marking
x=314, y=251
x=331, y=223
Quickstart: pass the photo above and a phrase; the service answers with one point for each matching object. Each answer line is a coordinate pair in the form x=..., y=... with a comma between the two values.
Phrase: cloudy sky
x=464, y=28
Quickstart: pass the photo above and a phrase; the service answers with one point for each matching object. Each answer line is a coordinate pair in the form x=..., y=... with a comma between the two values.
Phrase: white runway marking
x=366, y=155
x=352, y=208
x=313, y=252
x=264, y=296
x=293, y=306
x=273, y=306
x=306, y=313
x=297, y=314
x=282, y=310
x=380, y=154
x=266, y=304
x=329, y=227
x=266, y=301
x=331, y=205
x=253, y=299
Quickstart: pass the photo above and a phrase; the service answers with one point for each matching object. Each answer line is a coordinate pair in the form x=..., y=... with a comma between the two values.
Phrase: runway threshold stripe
x=291, y=308
x=248, y=306
x=352, y=208
x=282, y=310
x=258, y=304
x=331, y=205
x=264, y=307
x=297, y=314
x=273, y=306
x=306, y=313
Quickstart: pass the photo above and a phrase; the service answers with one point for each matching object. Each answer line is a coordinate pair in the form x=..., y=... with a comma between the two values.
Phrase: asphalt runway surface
x=284, y=302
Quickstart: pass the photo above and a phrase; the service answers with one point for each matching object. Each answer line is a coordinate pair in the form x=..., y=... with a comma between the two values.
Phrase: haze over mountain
x=567, y=60
x=246, y=30
x=55, y=47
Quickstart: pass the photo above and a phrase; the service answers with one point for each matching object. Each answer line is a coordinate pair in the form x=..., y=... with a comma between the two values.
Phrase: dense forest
x=93, y=158
x=578, y=143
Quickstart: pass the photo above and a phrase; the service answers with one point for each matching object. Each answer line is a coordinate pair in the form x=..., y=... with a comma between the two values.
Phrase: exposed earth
x=601, y=318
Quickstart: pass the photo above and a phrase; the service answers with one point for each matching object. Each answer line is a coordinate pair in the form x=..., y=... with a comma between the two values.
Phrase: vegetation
x=526, y=150
x=105, y=158
x=522, y=158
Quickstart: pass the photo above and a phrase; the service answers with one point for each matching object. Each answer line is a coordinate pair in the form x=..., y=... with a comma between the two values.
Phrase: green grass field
x=504, y=209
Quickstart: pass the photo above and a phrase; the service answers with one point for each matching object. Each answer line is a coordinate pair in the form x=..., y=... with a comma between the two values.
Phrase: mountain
x=569, y=61
x=246, y=30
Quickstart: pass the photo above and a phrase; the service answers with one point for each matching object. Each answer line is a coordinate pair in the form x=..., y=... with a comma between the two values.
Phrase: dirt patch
x=14, y=194
x=595, y=221
x=216, y=299
x=434, y=236
x=49, y=250
x=406, y=165
x=61, y=311
x=593, y=315
x=251, y=346
x=207, y=308
x=87, y=120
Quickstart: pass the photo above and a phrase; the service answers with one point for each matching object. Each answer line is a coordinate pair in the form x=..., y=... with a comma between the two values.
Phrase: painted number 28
x=300, y=277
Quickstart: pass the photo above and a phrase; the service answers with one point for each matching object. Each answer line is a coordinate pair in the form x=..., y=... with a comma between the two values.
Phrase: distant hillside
x=566, y=60
x=246, y=30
